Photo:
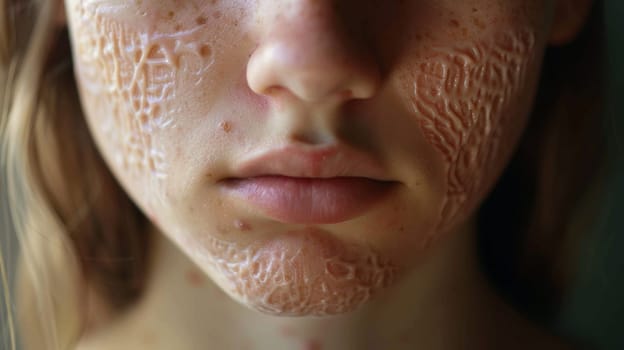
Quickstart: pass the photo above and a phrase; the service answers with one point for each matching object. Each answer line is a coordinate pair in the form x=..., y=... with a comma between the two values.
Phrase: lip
x=310, y=200
x=328, y=162
x=319, y=186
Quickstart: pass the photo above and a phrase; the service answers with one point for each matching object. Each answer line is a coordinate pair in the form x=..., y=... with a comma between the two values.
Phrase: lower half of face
x=166, y=92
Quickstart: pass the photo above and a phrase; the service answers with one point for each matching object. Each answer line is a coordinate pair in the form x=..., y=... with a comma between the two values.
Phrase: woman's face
x=306, y=153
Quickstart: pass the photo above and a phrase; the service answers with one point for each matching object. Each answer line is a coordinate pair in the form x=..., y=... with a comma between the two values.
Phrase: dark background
x=594, y=311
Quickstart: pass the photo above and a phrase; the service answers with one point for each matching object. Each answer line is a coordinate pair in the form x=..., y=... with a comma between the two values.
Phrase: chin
x=300, y=273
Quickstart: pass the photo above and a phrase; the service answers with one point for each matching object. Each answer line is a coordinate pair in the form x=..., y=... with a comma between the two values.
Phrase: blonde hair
x=47, y=259
x=64, y=208
x=82, y=239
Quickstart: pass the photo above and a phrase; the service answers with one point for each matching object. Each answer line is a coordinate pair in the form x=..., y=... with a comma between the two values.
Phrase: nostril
x=311, y=69
x=274, y=91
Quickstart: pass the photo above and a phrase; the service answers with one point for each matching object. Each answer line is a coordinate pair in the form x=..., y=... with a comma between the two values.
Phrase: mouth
x=300, y=200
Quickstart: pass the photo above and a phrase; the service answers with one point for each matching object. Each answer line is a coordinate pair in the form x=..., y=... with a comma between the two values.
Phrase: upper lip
x=295, y=161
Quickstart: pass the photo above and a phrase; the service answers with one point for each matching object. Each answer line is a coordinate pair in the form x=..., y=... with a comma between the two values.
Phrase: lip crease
x=298, y=186
x=310, y=200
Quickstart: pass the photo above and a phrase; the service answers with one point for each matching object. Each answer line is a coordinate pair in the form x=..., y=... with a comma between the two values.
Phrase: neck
x=444, y=303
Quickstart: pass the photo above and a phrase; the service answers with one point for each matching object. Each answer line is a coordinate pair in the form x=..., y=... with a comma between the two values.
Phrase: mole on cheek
x=135, y=72
x=226, y=127
x=200, y=21
x=463, y=101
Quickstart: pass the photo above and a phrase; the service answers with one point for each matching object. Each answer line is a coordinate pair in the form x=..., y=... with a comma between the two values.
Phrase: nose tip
x=311, y=75
x=312, y=61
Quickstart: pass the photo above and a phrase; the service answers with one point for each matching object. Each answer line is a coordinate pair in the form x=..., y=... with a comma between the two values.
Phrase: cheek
x=128, y=79
x=471, y=103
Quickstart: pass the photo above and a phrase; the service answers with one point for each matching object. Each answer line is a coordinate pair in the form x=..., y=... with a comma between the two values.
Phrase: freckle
x=454, y=23
x=226, y=127
x=194, y=277
x=170, y=14
x=201, y=20
x=313, y=344
x=205, y=51
x=178, y=27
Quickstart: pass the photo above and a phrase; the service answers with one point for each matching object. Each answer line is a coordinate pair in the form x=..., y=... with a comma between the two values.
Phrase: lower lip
x=307, y=200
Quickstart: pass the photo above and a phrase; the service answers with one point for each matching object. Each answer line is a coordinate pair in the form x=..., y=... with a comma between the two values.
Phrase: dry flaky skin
x=463, y=98
x=301, y=273
x=119, y=64
x=153, y=88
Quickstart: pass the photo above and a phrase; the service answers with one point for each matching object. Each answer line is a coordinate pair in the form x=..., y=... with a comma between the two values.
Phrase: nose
x=306, y=50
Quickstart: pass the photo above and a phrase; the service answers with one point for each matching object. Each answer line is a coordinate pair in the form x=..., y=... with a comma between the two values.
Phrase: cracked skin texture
x=462, y=98
x=119, y=65
x=135, y=75
x=307, y=273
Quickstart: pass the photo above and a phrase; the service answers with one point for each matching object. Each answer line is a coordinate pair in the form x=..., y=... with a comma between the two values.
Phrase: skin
x=436, y=91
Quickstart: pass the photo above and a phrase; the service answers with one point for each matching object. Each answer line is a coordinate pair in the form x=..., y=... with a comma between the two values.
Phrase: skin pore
x=435, y=93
